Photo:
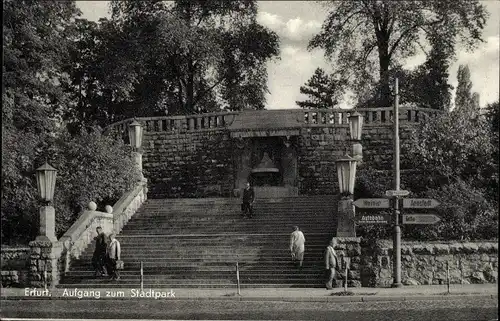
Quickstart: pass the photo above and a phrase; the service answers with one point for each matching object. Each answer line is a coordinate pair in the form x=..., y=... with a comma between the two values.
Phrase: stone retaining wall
x=195, y=164
x=427, y=263
x=15, y=266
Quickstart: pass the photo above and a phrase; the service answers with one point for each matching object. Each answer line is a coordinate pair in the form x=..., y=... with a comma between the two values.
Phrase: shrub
x=90, y=167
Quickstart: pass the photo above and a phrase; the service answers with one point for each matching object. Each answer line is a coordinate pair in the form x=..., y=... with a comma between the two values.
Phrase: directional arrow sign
x=373, y=219
x=372, y=203
x=420, y=203
x=391, y=193
x=420, y=219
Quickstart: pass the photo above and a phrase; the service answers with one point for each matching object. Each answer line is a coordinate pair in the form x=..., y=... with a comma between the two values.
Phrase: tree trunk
x=190, y=87
x=384, y=93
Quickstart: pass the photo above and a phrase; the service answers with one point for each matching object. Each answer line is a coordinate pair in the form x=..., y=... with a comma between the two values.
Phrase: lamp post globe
x=135, y=134
x=46, y=182
x=355, y=125
x=346, y=171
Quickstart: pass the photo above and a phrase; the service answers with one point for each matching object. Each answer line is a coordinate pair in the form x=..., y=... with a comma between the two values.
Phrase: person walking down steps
x=297, y=247
x=247, y=204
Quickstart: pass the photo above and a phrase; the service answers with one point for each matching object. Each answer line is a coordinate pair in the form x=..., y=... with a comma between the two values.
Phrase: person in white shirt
x=297, y=241
x=113, y=253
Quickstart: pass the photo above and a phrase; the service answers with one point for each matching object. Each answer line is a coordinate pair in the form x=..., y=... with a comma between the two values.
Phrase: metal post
x=142, y=276
x=397, y=229
x=345, y=284
x=448, y=275
x=238, y=277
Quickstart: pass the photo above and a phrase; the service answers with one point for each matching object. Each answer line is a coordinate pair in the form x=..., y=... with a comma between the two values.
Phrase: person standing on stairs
x=297, y=241
x=113, y=255
x=247, y=204
x=331, y=263
x=99, y=257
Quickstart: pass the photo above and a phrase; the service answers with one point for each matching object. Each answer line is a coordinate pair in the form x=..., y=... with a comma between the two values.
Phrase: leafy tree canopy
x=372, y=36
x=188, y=57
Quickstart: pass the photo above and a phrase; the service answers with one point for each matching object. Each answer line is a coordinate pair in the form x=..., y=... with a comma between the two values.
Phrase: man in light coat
x=113, y=254
x=331, y=262
x=297, y=241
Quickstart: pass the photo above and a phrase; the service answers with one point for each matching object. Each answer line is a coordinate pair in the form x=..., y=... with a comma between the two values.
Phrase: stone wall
x=15, y=266
x=319, y=147
x=198, y=155
x=348, y=250
x=426, y=263
x=193, y=164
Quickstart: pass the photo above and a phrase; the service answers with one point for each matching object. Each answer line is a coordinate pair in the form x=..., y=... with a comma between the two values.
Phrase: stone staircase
x=196, y=243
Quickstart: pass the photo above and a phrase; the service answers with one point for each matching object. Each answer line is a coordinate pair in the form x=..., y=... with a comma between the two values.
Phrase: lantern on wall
x=46, y=182
x=355, y=125
x=346, y=171
x=135, y=134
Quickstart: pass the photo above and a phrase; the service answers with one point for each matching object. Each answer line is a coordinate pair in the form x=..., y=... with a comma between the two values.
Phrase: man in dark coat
x=99, y=253
x=248, y=198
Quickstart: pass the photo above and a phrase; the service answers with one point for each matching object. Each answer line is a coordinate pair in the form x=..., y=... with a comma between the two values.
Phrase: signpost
x=420, y=203
x=373, y=219
x=420, y=219
x=372, y=203
x=397, y=193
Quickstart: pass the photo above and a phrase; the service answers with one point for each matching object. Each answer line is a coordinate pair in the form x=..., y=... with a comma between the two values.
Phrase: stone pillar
x=138, y=163
x=289, y=165
x=345, y=218
x=348, y=250
x=44, y=257
x=47, y=224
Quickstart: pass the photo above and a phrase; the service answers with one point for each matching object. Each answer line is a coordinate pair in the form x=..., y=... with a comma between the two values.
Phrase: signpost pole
x=397, y=229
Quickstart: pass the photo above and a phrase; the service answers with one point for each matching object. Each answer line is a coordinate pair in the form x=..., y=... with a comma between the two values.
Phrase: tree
x=188, y=57
x=35, y=51
x=465, y=100
x=355, y=28
x=38, y=42
x=323, y=90
x=430, y=80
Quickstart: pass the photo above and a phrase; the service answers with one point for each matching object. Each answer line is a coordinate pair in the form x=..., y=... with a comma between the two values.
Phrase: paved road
x=460, y=308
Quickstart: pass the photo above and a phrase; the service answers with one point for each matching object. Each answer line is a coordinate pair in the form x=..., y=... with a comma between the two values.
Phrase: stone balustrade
x=47, y=260
x=304, y=117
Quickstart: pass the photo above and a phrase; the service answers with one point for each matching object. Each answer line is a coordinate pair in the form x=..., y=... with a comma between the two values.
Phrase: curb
x=329, y=298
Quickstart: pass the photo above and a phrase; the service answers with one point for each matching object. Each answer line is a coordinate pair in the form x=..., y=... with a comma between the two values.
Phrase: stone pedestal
x=44, y=257
x=48, y=223
x=357, y=152
x=345, y=215
x=348, y=250
x=138, y=163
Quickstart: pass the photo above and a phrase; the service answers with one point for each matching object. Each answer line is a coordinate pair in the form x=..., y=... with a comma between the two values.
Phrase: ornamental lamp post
x=346, y=171
x=135, y=132
x=355, y=129
x=46, y=182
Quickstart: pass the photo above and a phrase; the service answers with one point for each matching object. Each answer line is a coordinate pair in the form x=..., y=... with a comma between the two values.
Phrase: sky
x=296, y=22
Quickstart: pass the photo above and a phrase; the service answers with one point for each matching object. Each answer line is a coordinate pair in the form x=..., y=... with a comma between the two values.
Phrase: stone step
x=307, y=269
x=148, y=285
x=200, y=276
x=202, y=262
